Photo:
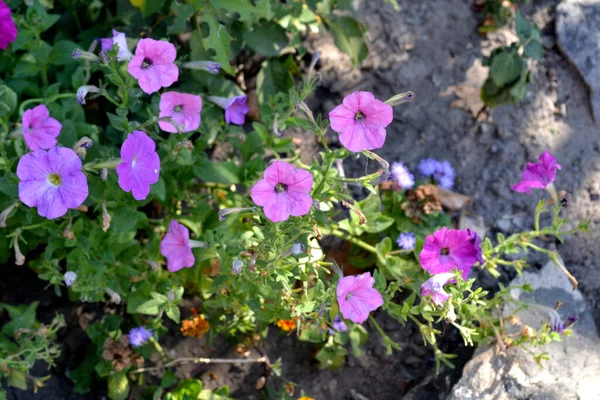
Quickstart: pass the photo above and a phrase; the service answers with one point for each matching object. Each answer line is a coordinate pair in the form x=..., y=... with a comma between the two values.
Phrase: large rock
x=573, y=370
x=578, y=31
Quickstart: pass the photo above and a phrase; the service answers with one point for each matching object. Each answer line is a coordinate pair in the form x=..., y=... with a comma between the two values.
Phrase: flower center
x=178, y=108
x=348, y=296
x=133, y=161
x=146, y=63
x=54, y=180
x=281, y=187
x=445, y=251
x=359, y=116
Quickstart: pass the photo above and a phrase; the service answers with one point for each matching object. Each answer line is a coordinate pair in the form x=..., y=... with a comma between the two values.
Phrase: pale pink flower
x=357, y=297
x=283, y=191
x=361, y=121
x=39, y=129
x=176, y=247
x=153, y=65
x=183, y=109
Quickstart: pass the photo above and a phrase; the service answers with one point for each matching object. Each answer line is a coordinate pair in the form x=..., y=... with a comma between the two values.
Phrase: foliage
x=111, y=244
x=509, y=71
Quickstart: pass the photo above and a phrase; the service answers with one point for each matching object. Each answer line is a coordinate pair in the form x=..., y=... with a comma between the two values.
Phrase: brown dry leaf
x=469, y=98
x=453, y=201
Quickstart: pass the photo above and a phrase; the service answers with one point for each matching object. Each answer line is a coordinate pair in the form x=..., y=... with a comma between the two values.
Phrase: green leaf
x=523, y=27
x=118, y=387
x=21, y=317
x=150, y=307
x=218, y=172
x=358, y=337
x=506, y=67
x=519, y=89
x=125, y=219
x=174, y=314
x=17, y=379
x=159, y=190
x=267, y=39
x=274, y=77
x=8, y=101
x=68, y=135
x=61, y=53
x=349, y=37
x=533, y=49
x=219, y=41
x=187, y=389
x=245, y=9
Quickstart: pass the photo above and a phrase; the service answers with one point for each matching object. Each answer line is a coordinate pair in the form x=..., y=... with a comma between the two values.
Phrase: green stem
x=45, y=101
x=366, y=178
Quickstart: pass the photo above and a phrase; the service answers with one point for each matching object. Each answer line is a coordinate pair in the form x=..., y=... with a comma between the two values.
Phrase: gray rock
x=572, y=373
x=578, y=31
x=573, y=370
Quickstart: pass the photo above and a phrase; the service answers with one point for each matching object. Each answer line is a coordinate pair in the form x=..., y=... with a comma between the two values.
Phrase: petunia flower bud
x=401, y=98
x=106, y=218
x=226, y=211
x=19, y=257
x=302, y=105
x=83, y=55
x=82, y=146
x=67, y=232
x=83, y=91
x=4, y=215
x=237, y=266
x=209, y=66
x=104, y=174
x=70, y=278
x=114, y=296
x=297, y=248
x=278, y=133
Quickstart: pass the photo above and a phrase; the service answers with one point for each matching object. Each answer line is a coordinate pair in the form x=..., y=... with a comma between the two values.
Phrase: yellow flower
x=306, y=398
x=197, y=326
x=287, y=324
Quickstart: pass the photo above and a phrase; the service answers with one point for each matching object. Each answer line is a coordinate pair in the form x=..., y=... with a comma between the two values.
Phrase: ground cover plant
x=145, y=161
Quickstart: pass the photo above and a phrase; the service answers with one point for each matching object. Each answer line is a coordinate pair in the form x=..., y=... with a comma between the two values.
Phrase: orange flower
x=287, y=324
x=197, y=326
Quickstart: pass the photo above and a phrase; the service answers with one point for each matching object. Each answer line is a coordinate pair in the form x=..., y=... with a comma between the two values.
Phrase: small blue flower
x=446, y=182
x=428, y=166
x=237, y=266
x=138, y=336
x=406, y=241
x=338, y=325
x=297, y=248
x=402, y=175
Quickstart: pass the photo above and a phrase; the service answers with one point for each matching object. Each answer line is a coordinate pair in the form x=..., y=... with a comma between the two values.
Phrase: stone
x=573, y=368
x=578, y=32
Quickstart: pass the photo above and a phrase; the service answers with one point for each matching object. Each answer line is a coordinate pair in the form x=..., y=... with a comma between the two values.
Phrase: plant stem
x=202, y=360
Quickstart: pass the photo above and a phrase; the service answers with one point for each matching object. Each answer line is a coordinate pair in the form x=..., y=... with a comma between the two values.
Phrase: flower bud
x=302, y=105
x=19, y=257
x=297, y=248
x=106, y=218
x=4, y=215
x=70, y=278
x=527, y=331
x=114, y=296
x=83, y=91
x=226, y=211
x=450, y=315
x=401, y=98
x=82, y=146
x=104, y=174
x=238, y=265
x=83, y=55
x=67, y=232
x=153, y=264
x=278, y=133
x=209, y=66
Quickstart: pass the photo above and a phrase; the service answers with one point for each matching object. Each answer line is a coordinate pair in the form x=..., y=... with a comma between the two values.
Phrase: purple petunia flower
x=183, y=109
x=338, y=325
x=120, y=40
x=176, y=247
x=402, y=175
x=52, y=181
x=428, y=166
x=140, y=166
x=434, y=287
x=283, y=191
x=447, y=249
x=406, y=241
x=8, y=29
x=138, y=336
x=361, y=120
x=538, y=175
x=556, y=324
x=153, y=65
x=83, y=91
x=39, y=129
x=357, y=297
x=235, y=108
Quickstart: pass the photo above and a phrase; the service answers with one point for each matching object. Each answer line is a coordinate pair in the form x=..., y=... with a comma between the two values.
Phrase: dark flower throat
x=146, y=63
x=281, y=187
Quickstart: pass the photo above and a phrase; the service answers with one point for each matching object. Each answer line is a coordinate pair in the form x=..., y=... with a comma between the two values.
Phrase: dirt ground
x=433, y=48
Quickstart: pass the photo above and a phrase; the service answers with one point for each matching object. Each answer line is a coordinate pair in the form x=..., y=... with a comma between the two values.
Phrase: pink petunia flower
x=184, y=109
x=283, y=191
x=39, y=129
x=235, y=108
x=357, y=297
x=153, y=65
x=434, y=287
x=8, y=29
x=140, y=166
x=538, y=175
x=52, y=181
x=176, y=247
x=447, y=249
x=361, y=121
x=120, y=40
